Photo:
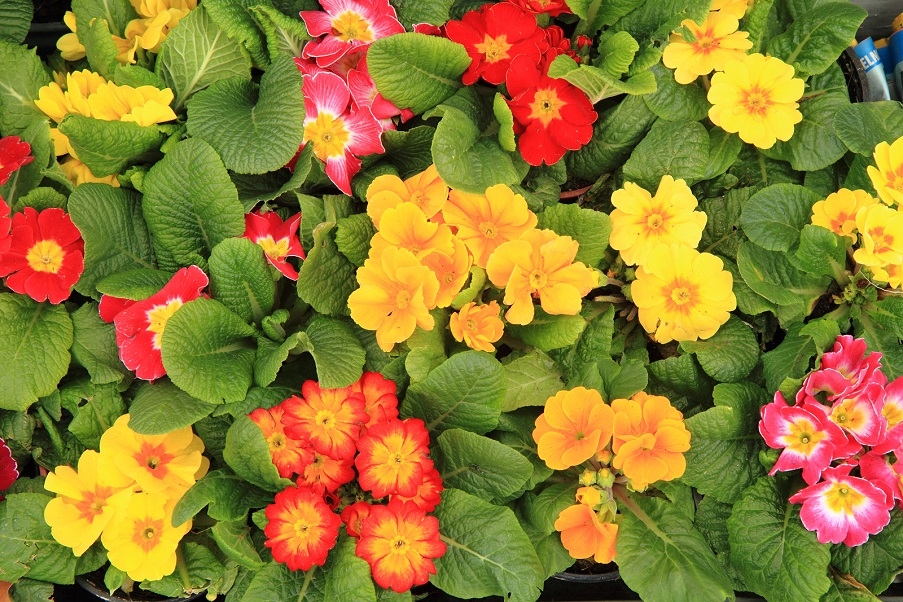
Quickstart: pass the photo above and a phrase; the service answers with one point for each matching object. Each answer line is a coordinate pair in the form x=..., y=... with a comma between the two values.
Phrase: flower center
x=325, y=418
x=488, y=229
x=402, y=299
x=881, y=240
x=147, y=533
x=399, y=545
x=93, y=503
x=757, y=101
x=418, y=197
x=681, y=295
x=706, y=43
x=352, y=27
x=546, y=106
x=494, y=49
x=276, y=441
x=45, y=256
x=538, y=279
x=158, y=316
x=655, y=221
x=275, y=249
x=301, y=528
x=328, y=134
x=893, y=413
x=470, y=325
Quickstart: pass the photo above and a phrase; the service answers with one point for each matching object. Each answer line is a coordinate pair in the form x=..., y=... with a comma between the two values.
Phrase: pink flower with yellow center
x=887, y=177
x=711, y=45
x=838, y=211
x=478, y=326
x=347, y=26
x=425, y=189
x=406, y=227
x=860, y=415
x=574, y=426
x=364, y=94
x=844, y=509
x=278, y=239
x=892, y=412
x=845, y=370
x=450, y=270
x=879, y=467
x=881, y=236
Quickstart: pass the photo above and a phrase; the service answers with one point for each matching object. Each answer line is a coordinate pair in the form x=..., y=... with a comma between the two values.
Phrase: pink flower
x=892, y=412
x=843, y=508
x=364, y=94
x=279, y=239
x=860, y=414
x=347, y=26
x=9, y=471
x=877, y=468
x=845, y=369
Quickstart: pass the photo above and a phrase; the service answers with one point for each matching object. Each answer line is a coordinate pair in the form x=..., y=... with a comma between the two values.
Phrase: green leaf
x=589, y=228
x=505, y=117
x=106, y=147
x=326, y=277
x=235, y=19
x=814, y=144
x=724, y=148
x=532, y=379
x=94, y=346
x=240, y=278
x=775, y=555
x=412, y=12
x=41, y=198
x=94, y=34
x=115, y=235
x=622, y=381
x=234, y=540
x=227, y=496
x=711, y=520
x=36, y=338
x=285, y=35
x=677, y=377
x=137, y=285
x=846, y=589
x=466, y=392
x=546, y=332
x=161, y=407
x=481, y=466
x=255, y=129
x=15, y=19
x=271, y=356
x=725, y=440
x=409, y=151
x=488, y=552
x=616, y=53
x=730, y=354
x=821, y=251
x=874, y=563
x=654, y=20
x=353, y=234
x=22, y=75
x=102, y=406
x=203, y=342
x=817, y=37
x=337, y=352
x=676, y=148
x=196, y=54
x=248, y=454
x=676, y=102
x=26, y=545
x=599, y=84
x=880, y=337
x=863, y=125
x=416, y=71
x=31, y=590
x=771, y=275
x=790, y=359
x=190, y=204
x=663, y=557
x=117, y=13
x=276, y=581
x=348, y=576
x=542, y=510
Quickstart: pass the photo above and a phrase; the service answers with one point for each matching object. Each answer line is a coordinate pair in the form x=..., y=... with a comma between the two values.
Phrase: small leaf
x=248, y=454
x=227, y=497
x=240, y=278
x=348, y=576
x=326, y=277
x=546, y=332
x=599, y=84
x=94, y=346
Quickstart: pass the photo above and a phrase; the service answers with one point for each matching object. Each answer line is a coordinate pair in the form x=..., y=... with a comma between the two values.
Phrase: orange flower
x=399, y=541
x=574, y=426
x=479, y=326
x=380, y=401
x=325, y=473
x=837, y=212
x=584, y=536
x=393, y=457
x=301, y=528
x=450, y=270
x=406, y=226
x=329, y=419
x=288, y=454
x=426, y=190
x=428, y=494
x=486, y=221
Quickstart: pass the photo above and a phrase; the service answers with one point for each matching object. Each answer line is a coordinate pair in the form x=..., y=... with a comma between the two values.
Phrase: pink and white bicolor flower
x=844, y=509
x=877, y=468
x=845, y=370
x=338, y=133
x=364, y=94
x=860, y=414
x=892, y=412
x=347, y=26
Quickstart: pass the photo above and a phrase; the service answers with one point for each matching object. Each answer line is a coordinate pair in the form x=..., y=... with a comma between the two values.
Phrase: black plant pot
x=93, y=584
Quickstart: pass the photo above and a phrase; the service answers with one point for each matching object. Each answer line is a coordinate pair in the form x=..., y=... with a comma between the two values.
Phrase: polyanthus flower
x=450, y=270
x=278, y=239
x=881, y=467
x=551, y=115
x=56, y=103
x=393, y=457
x=301, y=529
x=143, y=542
x=395, y=295
x=338, y=133
x=347, y=26
x=425, y=189
x=551, y=7
x=540, y=264
x=139, y=328
x=14, y=153
x=713, y=44
x=380, y=401
x=86, y=502
x=892, y=412
x=891, y=273
x=429, y=493
x=158, y=17
x=329, y=419
x=144, y=105
x=71, y=49
x=844, y=509
x=45, y=257
x=353, y=516
x=734, y=8
x=493, y=36
x=845, y=370
x=756, y=96
x=837, y=212
x=641, y=222
x=79, y=173
x=405, y=226
x=288, y=454
x=881, y=235
x=6, y=224
x=860, y=415
x=485, y=221
x=9, y=471
x=575, y=425
x=325, y=473
x=583, y=535
x=887, y=177
x=682, y=294
x=478, y=326
x=399, y=542
x=364, y=94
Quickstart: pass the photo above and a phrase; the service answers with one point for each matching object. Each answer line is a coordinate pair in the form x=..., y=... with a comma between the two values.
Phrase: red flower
x=279, y=239
x=354, y=515
x=288, y=454
x=139, y=329
x=393, y=457
x=558, y=43
x=301, y=529
x=551, y=115
x=45, y=256
x=493, y=36
x=552, y=7
x=380, y=401
x=330, y=419
x=14, y=153
x=347, y=26
x=110, y=307
x=9, y=471
x=399, y=541
x=325, y=473
x=429, y=494
x=6, y=224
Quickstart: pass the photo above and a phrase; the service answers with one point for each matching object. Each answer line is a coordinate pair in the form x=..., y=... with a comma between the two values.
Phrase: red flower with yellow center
x=380, y=401
x=301, y=529
x=353, y=516
x=399, y=542
x=551, y=7
x=393, y=457
x=278, y=239
x=325, y=473
x=14, y=153
x=45, y=257
x=6, y=224
x=330, y=419
x=288, y=454
x=428, y=495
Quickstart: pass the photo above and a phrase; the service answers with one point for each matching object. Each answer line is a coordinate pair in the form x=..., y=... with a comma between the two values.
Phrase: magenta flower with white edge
x=877, y=467
x=892, y=411
x=338, y=133
x=844, y=509
x=845, y=369
x=860, y=415
x=347, y=26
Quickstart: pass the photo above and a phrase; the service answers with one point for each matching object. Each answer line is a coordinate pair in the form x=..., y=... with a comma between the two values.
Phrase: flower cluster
x=681, y=294
x=349, y=452
x=125, y=495
x=631, y=443
x=846, y=417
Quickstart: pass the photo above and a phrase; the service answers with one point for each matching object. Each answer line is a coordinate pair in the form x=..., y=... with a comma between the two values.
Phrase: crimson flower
x=301, y=528
x=110, y=307
x=551, y=115
x=45, y=256
x=347, y=26
x=552, y=7
x=279, y=239
x=14, y=153
x=9, y=471
x=6, y=224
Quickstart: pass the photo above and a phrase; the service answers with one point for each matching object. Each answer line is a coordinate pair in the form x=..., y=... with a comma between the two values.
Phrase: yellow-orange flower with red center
x=756, y=97
x=380, y=401
x=887, y=177
x=837, y=212
x=641, y=221
x=881, y=236
x=583, y=535
x=86, y=502
x=682, y=294
x=575, y=425
x=540, y=264
x=406, y=227
x=478, y=326
x=394, y=455
x=288, y=454
x=713, y=44
x=329, y=419
x=486, y=221
x=425, y=189
x=301, y=528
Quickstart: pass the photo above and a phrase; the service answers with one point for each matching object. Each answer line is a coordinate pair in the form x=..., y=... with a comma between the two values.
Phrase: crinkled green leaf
x=326, y=277
x=106, y=147
x=505, y=117
x=711, y=520
x=234, y=540
x=15, y=19
x=884, y=339
x=348, y=575
x=676, y=102
x=276, y=581
x=599, y=84
x=235, y=18
x=248, y=454
x=412, y=12
x=616, y=53
x=821, y=251
x=814, y=145
x=94, y=346
x=481, y=466
x=589, y=228
x=790, y=359
x=863, y=125
x=26, y=545
x=240, y=278
x=271, y=356
x=656, y=19
x=847, y=589
x=680, y=376
x=771, y=275
x=226, y=495
x=547, y=332
x=22, y=74
x=100, y=50
x=284, y=35
x=621, y=381
x=515, y=430
x=409, y=151
x=201, y=570
x=336, y=351
x=874, y=563
x=676, y=148
x=161, y=407
x=724, y=148
x=135, y=284
x=532, y=379
x=32, y=590
x=41, y=198
x=353, y=234
x=94, y=409
x=117, y=13
x=730, y=354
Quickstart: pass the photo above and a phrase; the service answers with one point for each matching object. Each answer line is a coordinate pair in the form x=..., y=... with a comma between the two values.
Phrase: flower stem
x=182, y=569
x=623, y=497
x=55, y=438
x=308, y=577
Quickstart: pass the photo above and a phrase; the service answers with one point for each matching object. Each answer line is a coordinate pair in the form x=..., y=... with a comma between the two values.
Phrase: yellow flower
x=881, y=236
x=892, y=274
x=756, y=96
x=406, y=226
x=384, y=192
x=641, y=221
x=54, y=102
x=682, y=294
x=79, y=173
x=71, y=49
x=145, y=105
x=734, y=8
x=888, y=176
x=479, y=326
x=143, y=543
x=426, y=190
x=451, y=271
x=713, y=45
x=837, y=212
x=394, y=297
x=486, y=221
x=540, y=264
x=86, y=502
x=79, y=86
